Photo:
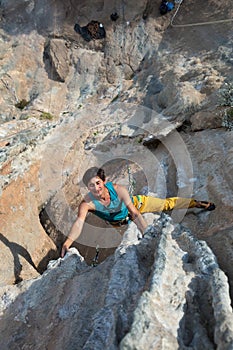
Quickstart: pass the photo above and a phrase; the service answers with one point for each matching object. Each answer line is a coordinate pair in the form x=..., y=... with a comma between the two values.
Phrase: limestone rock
x=143, y=62
x=131, y=300
x=184, y=101
x=213, y=183
x=58, y=55
x=23, y=257
x=205, y=120
x=111, y=71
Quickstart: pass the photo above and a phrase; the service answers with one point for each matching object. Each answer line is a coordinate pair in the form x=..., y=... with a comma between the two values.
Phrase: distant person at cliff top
x=112, y=203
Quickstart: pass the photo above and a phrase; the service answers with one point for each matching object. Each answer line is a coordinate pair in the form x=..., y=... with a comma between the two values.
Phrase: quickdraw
x=95, y=260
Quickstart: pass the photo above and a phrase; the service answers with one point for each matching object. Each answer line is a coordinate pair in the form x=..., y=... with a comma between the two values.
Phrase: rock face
x=19, y=239
x=57, y=54
x=145, y=102
x=162, y=291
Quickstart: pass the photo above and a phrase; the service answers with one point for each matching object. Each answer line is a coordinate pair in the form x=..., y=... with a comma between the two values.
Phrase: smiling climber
x=112, y=203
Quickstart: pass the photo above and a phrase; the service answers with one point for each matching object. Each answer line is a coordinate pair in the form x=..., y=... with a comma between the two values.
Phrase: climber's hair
x=93, y=172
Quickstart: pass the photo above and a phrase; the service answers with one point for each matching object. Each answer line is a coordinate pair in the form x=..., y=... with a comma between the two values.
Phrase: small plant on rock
x=226, y=100
x=46, y=115
x=227, y=121
x=22, y=104
x=226, y=95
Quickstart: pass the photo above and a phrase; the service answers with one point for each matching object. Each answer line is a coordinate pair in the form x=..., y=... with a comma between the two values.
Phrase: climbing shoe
x=205, y=205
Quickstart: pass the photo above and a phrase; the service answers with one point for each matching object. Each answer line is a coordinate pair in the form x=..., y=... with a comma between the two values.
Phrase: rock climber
x=112, y=203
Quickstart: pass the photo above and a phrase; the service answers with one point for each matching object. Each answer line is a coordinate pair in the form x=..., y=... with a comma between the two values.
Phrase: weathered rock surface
x=21, y=231
x=163, y=291
x=66, y=104
x=58, y=56
x=206, y=120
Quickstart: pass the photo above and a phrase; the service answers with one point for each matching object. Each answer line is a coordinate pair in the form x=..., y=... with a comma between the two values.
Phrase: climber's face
x=96, y=186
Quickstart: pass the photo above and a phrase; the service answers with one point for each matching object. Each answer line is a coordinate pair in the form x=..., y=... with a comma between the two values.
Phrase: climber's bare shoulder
x=123, y=193
x=87, y=204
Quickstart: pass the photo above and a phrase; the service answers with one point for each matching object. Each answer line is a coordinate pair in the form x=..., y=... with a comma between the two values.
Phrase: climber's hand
x=64, y=250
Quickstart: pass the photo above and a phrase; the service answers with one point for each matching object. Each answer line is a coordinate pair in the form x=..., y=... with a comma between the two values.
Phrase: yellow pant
x=148, y=204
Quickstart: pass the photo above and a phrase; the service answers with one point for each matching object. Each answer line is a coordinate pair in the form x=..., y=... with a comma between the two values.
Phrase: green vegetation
x=226, y=100
x=46, y=115
x=227, y=121
x=140, y=139
x=22, y=104
x=25, y=117
x=226, y=95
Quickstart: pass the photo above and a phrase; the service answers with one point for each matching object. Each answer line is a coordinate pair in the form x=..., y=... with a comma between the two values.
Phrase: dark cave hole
x=89, y=253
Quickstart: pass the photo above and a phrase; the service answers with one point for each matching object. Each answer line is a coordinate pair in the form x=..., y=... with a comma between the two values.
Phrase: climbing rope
x=197, y=23
x=93, y=28
x=132, y=181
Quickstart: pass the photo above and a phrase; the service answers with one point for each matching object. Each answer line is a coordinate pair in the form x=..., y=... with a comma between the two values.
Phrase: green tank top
x=115, y=211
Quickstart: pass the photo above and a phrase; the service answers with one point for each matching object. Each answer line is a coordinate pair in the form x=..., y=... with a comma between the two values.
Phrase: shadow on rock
x=51, y=255
x=17, y=250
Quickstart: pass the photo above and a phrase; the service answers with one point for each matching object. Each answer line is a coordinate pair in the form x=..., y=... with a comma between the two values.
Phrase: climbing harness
x=119, y=223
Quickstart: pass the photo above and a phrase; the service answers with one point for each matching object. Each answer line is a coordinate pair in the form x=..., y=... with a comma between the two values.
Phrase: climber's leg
x=148, y=204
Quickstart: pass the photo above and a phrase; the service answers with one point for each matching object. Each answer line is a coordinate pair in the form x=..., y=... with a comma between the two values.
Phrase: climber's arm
x=76, y=228
x=123, y=194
